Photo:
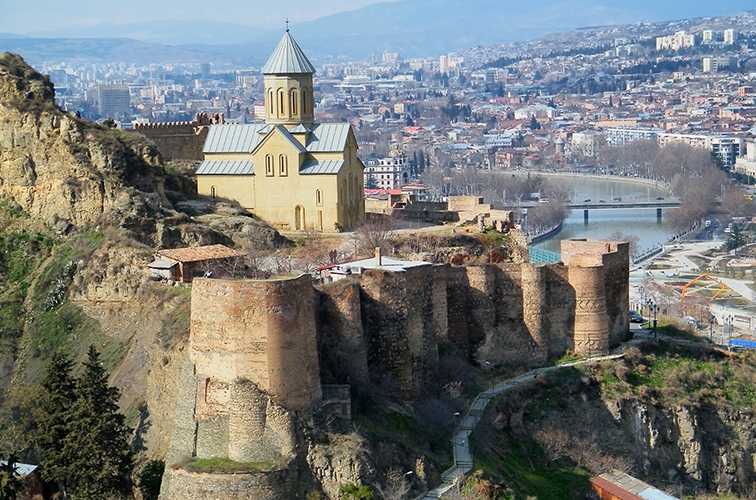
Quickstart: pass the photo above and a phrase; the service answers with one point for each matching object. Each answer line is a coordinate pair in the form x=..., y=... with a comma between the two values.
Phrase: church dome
x=288, y=59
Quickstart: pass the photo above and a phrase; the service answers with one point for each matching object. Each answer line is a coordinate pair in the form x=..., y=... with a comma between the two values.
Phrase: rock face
x=64, y=171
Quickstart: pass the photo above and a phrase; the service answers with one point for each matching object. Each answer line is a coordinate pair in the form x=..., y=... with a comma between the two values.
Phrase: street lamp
x=652, y=309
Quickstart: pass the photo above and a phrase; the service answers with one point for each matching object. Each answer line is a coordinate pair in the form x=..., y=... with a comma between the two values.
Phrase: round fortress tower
x=262, y=331
x=591, y=334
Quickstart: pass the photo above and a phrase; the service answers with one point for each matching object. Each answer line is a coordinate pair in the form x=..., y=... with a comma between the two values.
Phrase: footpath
x=463, y=459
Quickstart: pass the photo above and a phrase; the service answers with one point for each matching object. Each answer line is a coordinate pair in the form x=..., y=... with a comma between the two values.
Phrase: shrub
x=150, y=479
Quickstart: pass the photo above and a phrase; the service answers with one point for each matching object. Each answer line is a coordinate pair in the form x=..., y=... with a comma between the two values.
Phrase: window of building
x=281, y=102
x=270, y=102
x=319, y=197
x=293, y=102
x=283, y=165
x=304, y=101
x=212, y=191
x=269, y=165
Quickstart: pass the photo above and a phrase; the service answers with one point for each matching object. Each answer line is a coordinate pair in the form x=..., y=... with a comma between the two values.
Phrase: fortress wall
x=440, y=304
x=385, y=319
x=263, y=331
x=176, y=140
x=421, y=325
x=591, y=332
x=534, y=304
x=481, y=310
x=617, y=276
x=459, y=332
x=180, y=484
x=559, y=309
x=294, y=373
x=341, y=338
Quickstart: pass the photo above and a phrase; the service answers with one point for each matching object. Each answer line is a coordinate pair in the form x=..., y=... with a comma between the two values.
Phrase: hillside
x=678, y=417
x=82, y=210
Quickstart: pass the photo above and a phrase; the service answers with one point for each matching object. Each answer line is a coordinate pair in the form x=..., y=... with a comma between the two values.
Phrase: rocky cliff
x=680, y=419
x=82, y=209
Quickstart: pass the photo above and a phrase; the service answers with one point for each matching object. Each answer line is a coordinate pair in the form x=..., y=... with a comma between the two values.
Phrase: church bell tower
x=288, y=85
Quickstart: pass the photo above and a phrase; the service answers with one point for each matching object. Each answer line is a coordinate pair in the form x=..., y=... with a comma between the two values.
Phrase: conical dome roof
x=288, y=58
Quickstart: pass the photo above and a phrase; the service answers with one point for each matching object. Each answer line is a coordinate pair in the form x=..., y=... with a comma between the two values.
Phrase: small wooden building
x=617, y=485
x=184, y=264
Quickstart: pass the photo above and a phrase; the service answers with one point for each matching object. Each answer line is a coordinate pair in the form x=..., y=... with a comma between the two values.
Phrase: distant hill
x=38, y=50
x=412, y=27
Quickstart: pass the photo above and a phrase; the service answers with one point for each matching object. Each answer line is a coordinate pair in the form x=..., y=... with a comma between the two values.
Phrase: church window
x=319, y=197
x=271, y=103
x=304, y=101
x=293, y=102
x=269, y=165
x=281, y=103
x=283, y=165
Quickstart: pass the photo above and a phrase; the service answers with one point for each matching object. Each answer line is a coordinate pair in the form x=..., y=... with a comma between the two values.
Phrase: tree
x=98, y=444
x=534, y=124
x=736, y=239
x=10, y=485
x=150, y=479
x=353, y=491
x=54, y=420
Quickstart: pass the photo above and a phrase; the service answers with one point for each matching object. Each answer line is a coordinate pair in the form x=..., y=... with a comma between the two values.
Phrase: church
x=292, y=172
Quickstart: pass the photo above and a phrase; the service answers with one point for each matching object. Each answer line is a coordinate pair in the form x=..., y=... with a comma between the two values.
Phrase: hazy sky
x=33, y=16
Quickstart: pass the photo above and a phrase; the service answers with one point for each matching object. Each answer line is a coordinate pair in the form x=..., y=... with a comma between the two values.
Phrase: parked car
x=636, y=318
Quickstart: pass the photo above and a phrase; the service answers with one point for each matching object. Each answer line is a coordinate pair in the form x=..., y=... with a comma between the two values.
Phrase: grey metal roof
x=322, y=167
x=226, y=167
x=299, y=129
x=328, y=137
x=288, y=58
x=233, y=138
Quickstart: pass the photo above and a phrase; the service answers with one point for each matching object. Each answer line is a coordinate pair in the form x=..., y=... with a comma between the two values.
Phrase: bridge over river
x=588, y=205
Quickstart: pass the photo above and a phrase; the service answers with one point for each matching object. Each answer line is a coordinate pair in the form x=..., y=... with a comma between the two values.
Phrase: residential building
x=291, y=171
x=387, y=173
x=680, y=40
x=617, y=136
x=730, y=37
x=113, y=101
x=717, y=64
x=746, y=164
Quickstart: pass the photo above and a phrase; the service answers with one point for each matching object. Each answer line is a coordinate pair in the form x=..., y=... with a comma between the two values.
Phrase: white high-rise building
x=730, y=36
x=707, y=36
x=680, y=40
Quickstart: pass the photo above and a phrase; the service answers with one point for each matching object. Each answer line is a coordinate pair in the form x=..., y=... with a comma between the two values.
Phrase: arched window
x=269, y=165
x=293, y=102
x=212, y=191
x=304, y=101
x=281, y=103
x=318, y=197
x=283, y=165
x=271, y=103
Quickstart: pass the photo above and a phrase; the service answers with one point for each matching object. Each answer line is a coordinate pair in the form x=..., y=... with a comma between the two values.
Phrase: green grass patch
x=673, y=375
x=224, y=465
x=520, y=464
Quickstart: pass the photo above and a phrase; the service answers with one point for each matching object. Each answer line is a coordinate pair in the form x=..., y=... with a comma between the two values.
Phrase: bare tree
x=395, y=486
x=372, y=235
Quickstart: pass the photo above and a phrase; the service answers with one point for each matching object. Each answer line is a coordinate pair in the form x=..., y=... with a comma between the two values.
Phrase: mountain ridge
x=405, y=26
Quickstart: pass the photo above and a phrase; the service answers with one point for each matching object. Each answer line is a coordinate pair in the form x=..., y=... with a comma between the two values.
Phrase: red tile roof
x=196, y=254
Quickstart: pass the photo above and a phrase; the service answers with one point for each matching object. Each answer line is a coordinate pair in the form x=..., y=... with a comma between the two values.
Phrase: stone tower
x=591, y=334
x=288, y=85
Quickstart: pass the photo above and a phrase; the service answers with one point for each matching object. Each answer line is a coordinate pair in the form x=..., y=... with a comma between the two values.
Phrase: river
x=605, y=222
